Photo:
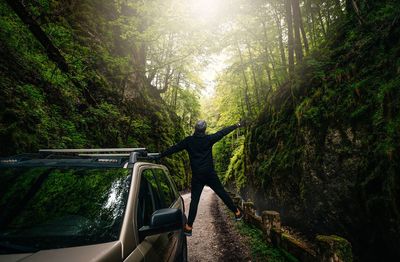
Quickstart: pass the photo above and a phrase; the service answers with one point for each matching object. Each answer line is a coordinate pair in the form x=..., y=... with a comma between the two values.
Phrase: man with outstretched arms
x=199, y=146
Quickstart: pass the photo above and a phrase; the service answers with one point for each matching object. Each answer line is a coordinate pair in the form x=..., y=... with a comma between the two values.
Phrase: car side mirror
x=162, y=221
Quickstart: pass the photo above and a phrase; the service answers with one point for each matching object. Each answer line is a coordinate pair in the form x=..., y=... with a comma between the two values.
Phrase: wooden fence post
x=329, y=248
x=333, y=249
x=272, y=226
x=248, y=208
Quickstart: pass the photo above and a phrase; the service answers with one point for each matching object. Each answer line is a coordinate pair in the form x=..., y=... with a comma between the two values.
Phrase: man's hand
x=242, y=122
x=154, y=156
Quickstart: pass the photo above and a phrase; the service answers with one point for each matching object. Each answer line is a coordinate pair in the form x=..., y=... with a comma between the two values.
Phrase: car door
x=151, y=197
x=170, y=199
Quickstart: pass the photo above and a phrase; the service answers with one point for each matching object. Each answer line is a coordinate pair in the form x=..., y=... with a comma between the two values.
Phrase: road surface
x=214, y=236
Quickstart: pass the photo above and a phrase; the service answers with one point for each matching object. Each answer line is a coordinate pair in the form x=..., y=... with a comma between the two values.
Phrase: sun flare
x=205, y=10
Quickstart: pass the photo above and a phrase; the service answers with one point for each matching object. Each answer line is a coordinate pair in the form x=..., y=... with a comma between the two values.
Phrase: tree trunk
x=273, y=63
x=296, y=25
x=267, y=69
x=311, y=22
x=246, y=85
x=50, y=49
x=176, y=91
x=267, y=62
x=300, y=21
x=321, y=21
x=357, y=11
x=52, y=52
x=168, y=74
x=253, y=73
x=305, y=41
x=289, y=22
x=280, y=41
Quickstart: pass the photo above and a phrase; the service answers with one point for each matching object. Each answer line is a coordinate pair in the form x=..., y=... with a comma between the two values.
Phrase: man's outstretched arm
x=220, y=134
x=175, y=148
x=223, y=132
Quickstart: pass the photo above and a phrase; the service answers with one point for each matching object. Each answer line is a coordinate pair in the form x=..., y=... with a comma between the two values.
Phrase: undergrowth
x=261, y=250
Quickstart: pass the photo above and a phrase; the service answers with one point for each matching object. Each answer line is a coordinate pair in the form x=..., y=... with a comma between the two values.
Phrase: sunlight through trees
x=317, y=79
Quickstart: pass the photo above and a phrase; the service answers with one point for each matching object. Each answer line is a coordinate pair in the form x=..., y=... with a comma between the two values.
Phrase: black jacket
x=199, y=148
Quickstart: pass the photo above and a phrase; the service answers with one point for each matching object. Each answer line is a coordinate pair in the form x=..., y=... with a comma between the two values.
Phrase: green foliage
x=41, y=107
x=185, y=102
x=331, y=136
x=330, y=130
x=261, y=251
x=236, y=170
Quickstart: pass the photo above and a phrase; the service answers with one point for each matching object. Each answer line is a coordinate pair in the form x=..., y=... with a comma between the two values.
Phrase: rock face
x=325, y=153
x=97, y=102
x=326, y=180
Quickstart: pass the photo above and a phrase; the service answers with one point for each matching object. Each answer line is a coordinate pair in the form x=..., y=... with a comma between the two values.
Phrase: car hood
x=111, y=251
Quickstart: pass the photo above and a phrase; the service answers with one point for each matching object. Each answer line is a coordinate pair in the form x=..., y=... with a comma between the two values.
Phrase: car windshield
x=53, y=207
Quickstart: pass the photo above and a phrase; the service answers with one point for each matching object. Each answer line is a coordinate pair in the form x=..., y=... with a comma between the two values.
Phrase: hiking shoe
x=238, y=215
x=187, y=230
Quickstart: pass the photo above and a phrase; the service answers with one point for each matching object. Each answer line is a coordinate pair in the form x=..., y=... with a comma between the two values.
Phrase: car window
x=165, y=187
x=156, y=192
x=175, y=189
x=149, y=199
x=49, y=207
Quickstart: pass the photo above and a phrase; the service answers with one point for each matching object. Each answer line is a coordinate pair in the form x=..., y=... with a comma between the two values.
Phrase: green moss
x=42, y=107
x=236, y=172
x=330, y=156
x=261, y=251
x=340, y=246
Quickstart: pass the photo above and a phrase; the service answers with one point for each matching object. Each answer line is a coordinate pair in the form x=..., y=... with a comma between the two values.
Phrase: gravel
x=214, y=235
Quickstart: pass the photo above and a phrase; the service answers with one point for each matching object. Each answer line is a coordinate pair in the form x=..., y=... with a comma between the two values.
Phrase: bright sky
x=211, y=73
x=206, y=11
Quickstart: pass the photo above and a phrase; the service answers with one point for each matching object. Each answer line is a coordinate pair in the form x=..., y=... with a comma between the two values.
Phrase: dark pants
x=198, y=184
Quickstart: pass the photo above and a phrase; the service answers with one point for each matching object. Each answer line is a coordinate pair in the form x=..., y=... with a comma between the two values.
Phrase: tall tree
x=253, y=74
x=280, y=40
x=311, y=27
x=246, y=84
x=301, y=25
x=296, y=26
x=289, y=22
x=321, y=20
x=267, y=62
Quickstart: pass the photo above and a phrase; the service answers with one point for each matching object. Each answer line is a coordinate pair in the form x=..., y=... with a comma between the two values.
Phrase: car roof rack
x=133, y=153
x=92, y=150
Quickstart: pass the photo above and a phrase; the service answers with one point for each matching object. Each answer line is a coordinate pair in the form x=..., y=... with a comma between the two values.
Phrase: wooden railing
x=324, y=249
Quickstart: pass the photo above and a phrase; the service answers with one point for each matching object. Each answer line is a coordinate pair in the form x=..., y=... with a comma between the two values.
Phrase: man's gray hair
x=200, y=126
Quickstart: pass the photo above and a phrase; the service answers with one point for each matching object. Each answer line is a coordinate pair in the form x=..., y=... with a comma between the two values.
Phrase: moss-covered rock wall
x=325, y=153
x=42, y=106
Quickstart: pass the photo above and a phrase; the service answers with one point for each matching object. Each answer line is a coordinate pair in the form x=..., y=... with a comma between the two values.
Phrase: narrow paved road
x=214, y=237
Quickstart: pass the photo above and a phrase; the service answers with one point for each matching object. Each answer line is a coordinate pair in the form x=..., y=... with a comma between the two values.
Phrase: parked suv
x=89, y=205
